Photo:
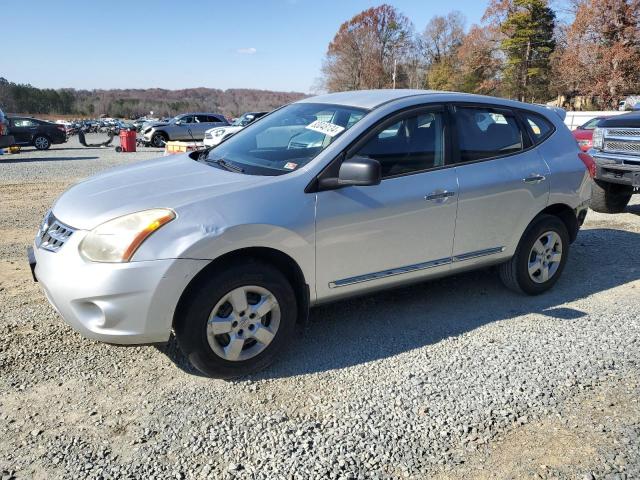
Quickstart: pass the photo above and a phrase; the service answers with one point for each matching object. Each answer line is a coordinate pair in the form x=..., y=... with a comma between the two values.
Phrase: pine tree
x=528, y=44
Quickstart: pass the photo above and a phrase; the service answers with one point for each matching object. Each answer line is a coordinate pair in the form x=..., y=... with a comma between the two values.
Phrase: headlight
x=118, y=239
x=598, y=138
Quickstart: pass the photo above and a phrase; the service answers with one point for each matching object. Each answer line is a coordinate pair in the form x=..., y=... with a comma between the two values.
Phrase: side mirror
x=360, y=171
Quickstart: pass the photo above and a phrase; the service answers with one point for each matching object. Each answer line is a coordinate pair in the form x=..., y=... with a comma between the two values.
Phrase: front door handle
x=534, y=178
x=439, y=196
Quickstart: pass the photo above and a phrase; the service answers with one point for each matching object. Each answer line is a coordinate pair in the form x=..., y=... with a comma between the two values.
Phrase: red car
x=584, y=133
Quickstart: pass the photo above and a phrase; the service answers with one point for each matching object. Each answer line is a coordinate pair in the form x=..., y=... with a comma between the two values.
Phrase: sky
x=269, y=44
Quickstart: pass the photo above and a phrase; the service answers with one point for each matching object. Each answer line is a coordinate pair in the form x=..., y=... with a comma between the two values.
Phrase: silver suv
x=188, y=126
x=326, y=198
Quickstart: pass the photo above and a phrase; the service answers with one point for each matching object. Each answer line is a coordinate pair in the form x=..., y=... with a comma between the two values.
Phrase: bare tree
x=367, y=50
x=442, y=36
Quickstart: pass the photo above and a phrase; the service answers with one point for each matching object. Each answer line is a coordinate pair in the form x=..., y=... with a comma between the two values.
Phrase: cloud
x=246, y=51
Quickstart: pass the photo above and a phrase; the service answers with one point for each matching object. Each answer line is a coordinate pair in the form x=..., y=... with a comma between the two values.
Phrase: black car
x=39, y=133
x=6, y=140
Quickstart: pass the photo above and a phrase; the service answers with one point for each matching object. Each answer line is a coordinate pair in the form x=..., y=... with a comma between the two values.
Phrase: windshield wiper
x=226, y=165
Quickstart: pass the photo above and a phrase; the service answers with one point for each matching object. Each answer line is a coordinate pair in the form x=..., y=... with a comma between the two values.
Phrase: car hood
x=166, y=182
x=627, y=120
x=155, y=124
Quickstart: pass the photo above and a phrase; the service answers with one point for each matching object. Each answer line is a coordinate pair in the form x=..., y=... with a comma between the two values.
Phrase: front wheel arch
x=283, y=262
x=160, y=133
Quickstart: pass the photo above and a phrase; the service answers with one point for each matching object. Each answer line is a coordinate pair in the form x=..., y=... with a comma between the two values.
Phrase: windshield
x=591, y=124
x=242, y=121
x=287, y=139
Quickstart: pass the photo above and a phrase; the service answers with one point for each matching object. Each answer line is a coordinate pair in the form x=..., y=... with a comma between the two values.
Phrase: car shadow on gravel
x=43, y=159
x=381, y=325
x=635, y=209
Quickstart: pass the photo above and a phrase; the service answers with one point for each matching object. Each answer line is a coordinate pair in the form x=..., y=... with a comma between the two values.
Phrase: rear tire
x=41, y=142
x=540, y=257
x=214, y=319
x=609, y=198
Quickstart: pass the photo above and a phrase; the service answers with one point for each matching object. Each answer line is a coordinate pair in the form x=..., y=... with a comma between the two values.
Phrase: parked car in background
x=6, y=139
x=616, y=150
x=632, y=102
x=230, y=248
x=584, y=133
x=215, y=135
x=38, y=133
x=139, y=122
x=188, y=126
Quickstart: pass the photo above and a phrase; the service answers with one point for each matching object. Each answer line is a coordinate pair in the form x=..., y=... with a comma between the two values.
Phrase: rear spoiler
x=561, y=112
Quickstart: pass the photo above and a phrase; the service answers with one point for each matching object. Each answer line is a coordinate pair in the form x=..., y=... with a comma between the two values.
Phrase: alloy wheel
x=545, y=257
x=41, y=143
x=243, y=323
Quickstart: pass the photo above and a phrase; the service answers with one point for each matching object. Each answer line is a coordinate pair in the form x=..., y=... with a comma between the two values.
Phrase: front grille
x=53, y=234
x=623, y=132
x=620, y=146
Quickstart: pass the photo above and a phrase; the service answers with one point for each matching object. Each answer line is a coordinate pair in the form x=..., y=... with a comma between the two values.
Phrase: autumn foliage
x=363, y=52
x=600, y=56
x=520, y=50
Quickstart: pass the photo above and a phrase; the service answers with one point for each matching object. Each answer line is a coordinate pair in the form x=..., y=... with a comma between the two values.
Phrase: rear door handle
x=439, y=195
x=534, y=178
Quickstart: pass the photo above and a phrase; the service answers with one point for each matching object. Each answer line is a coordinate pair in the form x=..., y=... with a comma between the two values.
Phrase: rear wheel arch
x=565, y=213
x=283, y=262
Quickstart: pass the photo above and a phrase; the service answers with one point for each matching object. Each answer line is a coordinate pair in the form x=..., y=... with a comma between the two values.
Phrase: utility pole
x=395, y=64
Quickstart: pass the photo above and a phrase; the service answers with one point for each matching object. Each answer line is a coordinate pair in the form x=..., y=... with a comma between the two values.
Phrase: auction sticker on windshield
x=326, y=128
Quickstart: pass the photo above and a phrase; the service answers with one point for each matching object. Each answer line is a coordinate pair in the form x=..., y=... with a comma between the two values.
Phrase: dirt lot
x=457, y=378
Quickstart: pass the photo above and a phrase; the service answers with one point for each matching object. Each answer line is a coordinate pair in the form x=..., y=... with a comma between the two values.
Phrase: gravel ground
x=457, y=378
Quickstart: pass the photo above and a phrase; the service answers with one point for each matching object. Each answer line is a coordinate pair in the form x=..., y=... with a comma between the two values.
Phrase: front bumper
x=620, y=169
x=122, y=303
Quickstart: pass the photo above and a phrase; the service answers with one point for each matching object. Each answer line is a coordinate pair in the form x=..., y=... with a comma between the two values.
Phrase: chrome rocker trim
x=415, y=267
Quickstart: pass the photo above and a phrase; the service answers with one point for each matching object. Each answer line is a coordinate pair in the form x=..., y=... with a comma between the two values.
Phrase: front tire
x=609, y=198
x=237, y=321
x=540, y=257
x=158, y=140
x=41, y=142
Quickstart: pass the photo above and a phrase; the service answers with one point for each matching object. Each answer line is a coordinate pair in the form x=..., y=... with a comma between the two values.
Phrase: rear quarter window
x=539, y=127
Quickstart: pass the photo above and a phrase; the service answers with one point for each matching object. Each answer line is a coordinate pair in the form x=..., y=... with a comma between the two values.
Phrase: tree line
x=520, y=50
x=133, y=103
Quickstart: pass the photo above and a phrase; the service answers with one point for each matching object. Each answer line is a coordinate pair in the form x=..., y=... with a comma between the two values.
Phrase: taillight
x=589, y=162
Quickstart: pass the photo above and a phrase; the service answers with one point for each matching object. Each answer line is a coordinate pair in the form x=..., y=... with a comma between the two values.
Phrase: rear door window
x=485, y=132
